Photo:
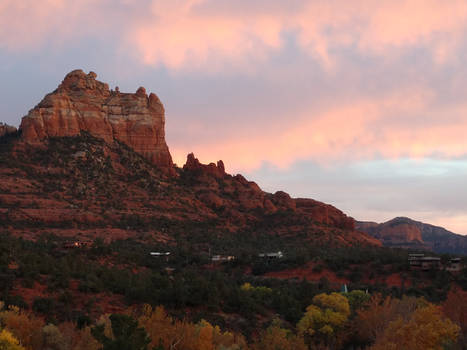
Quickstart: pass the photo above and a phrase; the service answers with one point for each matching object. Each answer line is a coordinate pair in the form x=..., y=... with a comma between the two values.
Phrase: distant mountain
x=407, y=233
x=92, y=162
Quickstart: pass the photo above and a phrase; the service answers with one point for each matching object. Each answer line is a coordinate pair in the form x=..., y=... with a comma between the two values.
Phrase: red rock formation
x=395, y=231
x=193, y=163
x=325, y=213
x=249, y=196
x=401, y=233
x=282, y=200
x=82, y=103
x=407, y=233
x=6, y=129
x=108, y=189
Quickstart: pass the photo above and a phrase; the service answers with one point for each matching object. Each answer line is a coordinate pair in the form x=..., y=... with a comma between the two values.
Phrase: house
x=77, y=244
x=414, y=260
x=222, y=258
x=160, y=255
x=156, y=254
x=276, y=255
x=430, y=262
x=420, y=261
x=455, y=265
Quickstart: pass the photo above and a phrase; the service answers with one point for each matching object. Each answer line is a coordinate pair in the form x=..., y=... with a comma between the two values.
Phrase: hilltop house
x=222, y=258
x=455, y=265
x=277, y=255
x=422, y=262
x=160, y=255
x=77, y=244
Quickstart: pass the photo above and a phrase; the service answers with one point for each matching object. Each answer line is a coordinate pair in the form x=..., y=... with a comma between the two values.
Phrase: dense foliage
x=216, y=301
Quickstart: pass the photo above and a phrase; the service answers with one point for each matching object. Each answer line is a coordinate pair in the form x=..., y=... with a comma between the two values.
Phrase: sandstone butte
x=82, y=103
x=74, y=188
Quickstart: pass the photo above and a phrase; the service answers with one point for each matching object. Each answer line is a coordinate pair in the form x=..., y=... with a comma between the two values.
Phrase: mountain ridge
x=408, y=233
x=66, y=171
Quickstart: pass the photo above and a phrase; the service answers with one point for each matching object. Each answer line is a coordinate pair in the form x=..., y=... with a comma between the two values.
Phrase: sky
x=361, y=104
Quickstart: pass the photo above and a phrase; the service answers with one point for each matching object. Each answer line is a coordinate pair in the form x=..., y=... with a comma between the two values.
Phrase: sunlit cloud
x=29, y=25
x=189, y=34
x=362, y=129
x=203, y=34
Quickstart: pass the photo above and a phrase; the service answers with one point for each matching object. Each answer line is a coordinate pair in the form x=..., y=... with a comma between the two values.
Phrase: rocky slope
x=88, y=162
x=408, y=233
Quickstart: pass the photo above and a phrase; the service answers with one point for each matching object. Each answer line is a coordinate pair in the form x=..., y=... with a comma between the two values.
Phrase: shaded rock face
x=6, y=129
x=82, y=103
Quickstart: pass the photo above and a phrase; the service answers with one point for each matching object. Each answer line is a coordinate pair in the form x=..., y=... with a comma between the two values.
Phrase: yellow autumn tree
x=228, y=340
x=163, y=330
x=26, y=327
x=277, y=338
x=8, y=341
x=85, y=341
x=426, y=329
x=182, y=335
x=455, y=307
x=325, y=318
x=205, y=335
x=373, y=319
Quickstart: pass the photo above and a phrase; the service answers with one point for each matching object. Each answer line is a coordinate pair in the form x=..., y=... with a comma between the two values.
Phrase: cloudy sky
x=361, y=104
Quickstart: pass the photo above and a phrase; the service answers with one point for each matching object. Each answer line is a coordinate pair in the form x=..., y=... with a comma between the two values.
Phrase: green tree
x=126, y=334
x=357, y=298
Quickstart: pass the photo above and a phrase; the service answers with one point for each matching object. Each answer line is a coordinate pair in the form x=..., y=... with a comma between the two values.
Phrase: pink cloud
x=359, y=130
x=207, y=34
x=181, y=36
x=29, y=25
x=203, y=35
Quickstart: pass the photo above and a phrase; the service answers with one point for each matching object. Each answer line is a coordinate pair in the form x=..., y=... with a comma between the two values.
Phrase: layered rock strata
x=82, y=103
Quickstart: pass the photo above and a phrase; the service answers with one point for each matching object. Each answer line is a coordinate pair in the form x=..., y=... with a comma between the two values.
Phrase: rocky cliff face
x=397, y=232
x=82, y=103
x=407, y=233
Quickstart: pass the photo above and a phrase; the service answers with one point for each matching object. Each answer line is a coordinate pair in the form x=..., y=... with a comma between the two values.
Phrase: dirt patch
x=306, y=272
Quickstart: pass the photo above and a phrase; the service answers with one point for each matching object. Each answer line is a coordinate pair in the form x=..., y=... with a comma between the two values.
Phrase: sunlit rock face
x=82, y=103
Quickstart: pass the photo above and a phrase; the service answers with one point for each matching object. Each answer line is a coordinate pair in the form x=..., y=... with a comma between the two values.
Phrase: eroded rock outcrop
x=82, y=103
x=242, y=195
x=192, y=163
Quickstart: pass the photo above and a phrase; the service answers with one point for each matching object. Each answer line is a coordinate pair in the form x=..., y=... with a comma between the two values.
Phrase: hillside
x=407, y=233
x=91, y=162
